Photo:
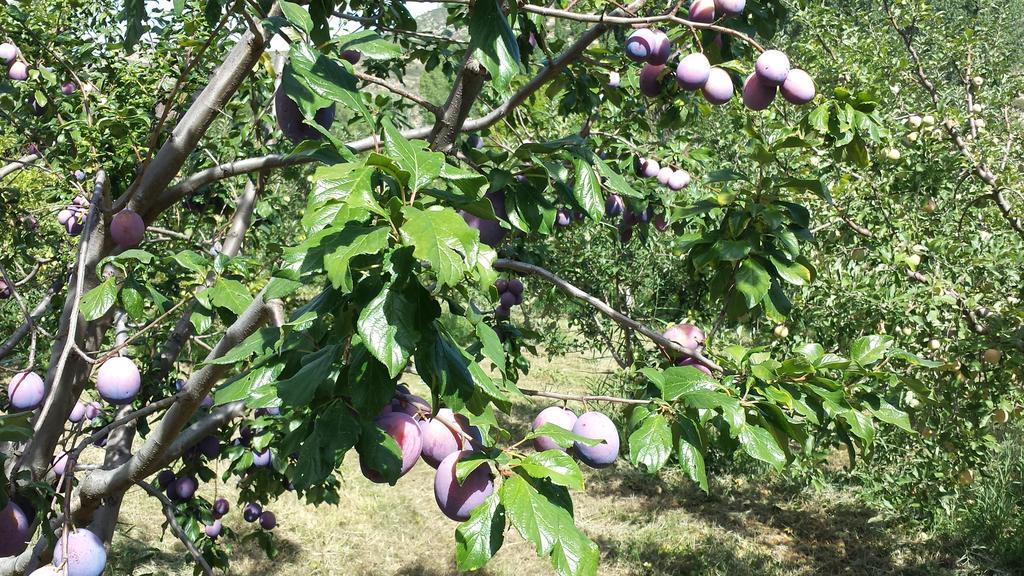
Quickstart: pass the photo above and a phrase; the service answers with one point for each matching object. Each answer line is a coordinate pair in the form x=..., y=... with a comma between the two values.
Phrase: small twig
x=401, y=91
x=582, y=398
x=168, y=509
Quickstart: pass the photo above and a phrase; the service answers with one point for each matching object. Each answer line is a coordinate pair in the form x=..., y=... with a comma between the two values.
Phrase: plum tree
x=718, y=89
x=118, y=380
x=26, y=390
x=406, y=433
x=14, y=530
x=293, y=124
x=457, y=500
x=693, y=71
x=86, y=555
x=127, y=228
x=558, y=416
x=596, y=426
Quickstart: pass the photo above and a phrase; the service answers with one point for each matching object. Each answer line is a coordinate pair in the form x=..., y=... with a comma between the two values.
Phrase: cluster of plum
x=444, y=438
x=772, y=72
x=687, y=336
x=510, y=293
x=126, y=227
x=118, y=381
x=17, y=69
x=85, y=555
x=72, y=217
x=666, y=176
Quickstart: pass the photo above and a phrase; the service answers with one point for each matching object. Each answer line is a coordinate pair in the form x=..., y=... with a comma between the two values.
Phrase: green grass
x=750, y=524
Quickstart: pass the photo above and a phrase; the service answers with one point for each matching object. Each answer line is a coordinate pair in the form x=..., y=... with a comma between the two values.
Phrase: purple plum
x=772, y=68
x=457, y=501
x=406, y=433
x=26, y=390
x=718, y=89
x=438, y=440
x=213, y=530
x=268, y=521
x=798, y=87
x=85, y=553
x=702, y=11
x=561, y=417
x=118, y=380
x=757, y=95
x=291, y=121
x=640, y=44
x=650, y=83
x=680, y=179
x=685, y=335
x=14, y=530
x=693, y=71
x=596, y=426
x=127, y=228
x=614, y=206
x=252, y=512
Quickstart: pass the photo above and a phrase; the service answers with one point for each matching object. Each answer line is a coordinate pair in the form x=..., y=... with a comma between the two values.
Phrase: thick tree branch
x=465, y=90
x=16, y=165
x=168, y=509
x=603, y=308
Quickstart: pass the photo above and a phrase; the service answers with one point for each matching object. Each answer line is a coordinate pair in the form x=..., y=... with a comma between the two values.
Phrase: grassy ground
x=644, y=526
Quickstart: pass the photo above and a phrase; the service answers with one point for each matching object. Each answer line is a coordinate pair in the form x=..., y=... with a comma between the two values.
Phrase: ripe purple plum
x=695, y=364
x=562, y=217
x=252, y=512
x=18, y=71
x=268, y=521
x=8, y=52
x=515, y=286
x=680, y=179
x=640, y=44
x=291, y=121
x=702, y=11
x=118, y=380
x=772, y=68
x=561, y=417
x=352, y=56
x=693, y=71
x=80, y=175
x=685, y=335
x=14, y=530
x=650, y=82
x=646, y=167
x=209, y=446
x=660, y=50
x=626, y=226
x=491, y=231
x=127, y=228
x=5, y=290
x=164, y=478
x=730, y=7
x=502, y=313
x=798, y=87
x=475, y=141
x=68, y=88
x=613, y=79
x=85, y=553
x=457, y=501
x=26, y=390
x=438, y=440
x=213, y=530
x=664, y=175
x=507, y=300
x=221, y=507
x=614, y=205
x=596, y=426
x=60, y=464
x=48, y=570
x=501, y=285
x=93, y=410
x=756, y=94
x=183, y=488
x=77, y=413
x=406, y=433
x=261, y=459
x=660, y=222
x=718, y=89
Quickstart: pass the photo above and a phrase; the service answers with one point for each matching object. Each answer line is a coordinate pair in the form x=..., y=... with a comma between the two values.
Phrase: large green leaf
x=412, y=156
x=369, y=44
x=494, y=42
x=691, y=452
x=230, y=294
x=451, y=372
x=317, y=370
x=867, y=350
x=335, y=432
x=753, y=282
x=379, y=452
x=587, y=189
x=442, y=237
x=480, y=537
x=352, y=241
x=315, y=81
x=97, y=301
x=556, y=466
x=678, y=381
x=650, y=445
x=389, y=323
x=760, y=444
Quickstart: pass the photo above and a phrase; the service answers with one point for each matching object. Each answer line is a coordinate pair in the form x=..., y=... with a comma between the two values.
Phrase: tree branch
x=969, y=316
x=35, y=314
x=468, y=84
x=168, y=509
x=583, y=398
x=16, y=165
x=401, y=91
x=603, y=308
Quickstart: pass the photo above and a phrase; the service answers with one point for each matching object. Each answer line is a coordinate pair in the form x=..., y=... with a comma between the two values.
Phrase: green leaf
x=860, y=424
x=760, y=444
x=388, y=324
x=614, y=181
x=691, y=452
x=587, y=189
x=650, y=445
x=368, y=381
x=317, y=369
x=867, y=350
x=135, y=17
x=190, y=260
x=16, y=427
x=352, y=241
x=452, y=373
x=560, y=436
x=230, y=294
x=370, y=44
x=379, y=452
x=491, y=345
x=315, y=81
x=297, y=15
x=442, y=237
x=556, y=466
x=892, y=415
x=97, y=302
x=242, y=387
x=258, y=343
x=422, y=165
x=334, y=433
x=678, y=381
x=793, y=272
x=478, y=539
x=493, y=41
x=133, y=301
x=753, y=281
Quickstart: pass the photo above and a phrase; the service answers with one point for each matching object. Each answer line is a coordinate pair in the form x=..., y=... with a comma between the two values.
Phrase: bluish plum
x=410, y=404
x=14, y=530
x=118, y=380
x=661, y=49
x=127, y=228
x=660, y=222
x=80, y=175
x=501, y=285
x=650, y=80
x=640, y=44
x=613, y=79
x=252, y=512
x=798, y=87
x=85, y=553
x=292, y=123
x=693, y=71
x=757, y=95
x=268, y=521
x=213, y=530
x=507, y=300
x=221, y=507
x=491, y=231
x=718, y=89
x=562, y=217
x=93, y=410
x=60, y=464
x=183, y=488
x=515, y=286
x=730, y=7
x=772, y=67
x=68, y=88
x=439, y=440
x=457, y=501
x=475, y=141
x=18, y=71
x=164, y=478
x=8, y=52
x=352, y=56
x=664, y=175
x=5, y=290
x=26, y=390
x=680, y=179
x=77, y=413
x=614, y=205
x=406, y=433
x=646, y=167
x=261, y=459
x=702, y=11
x=561, y=417
x=596, y=426
x=685, y=335
x=209, y=446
